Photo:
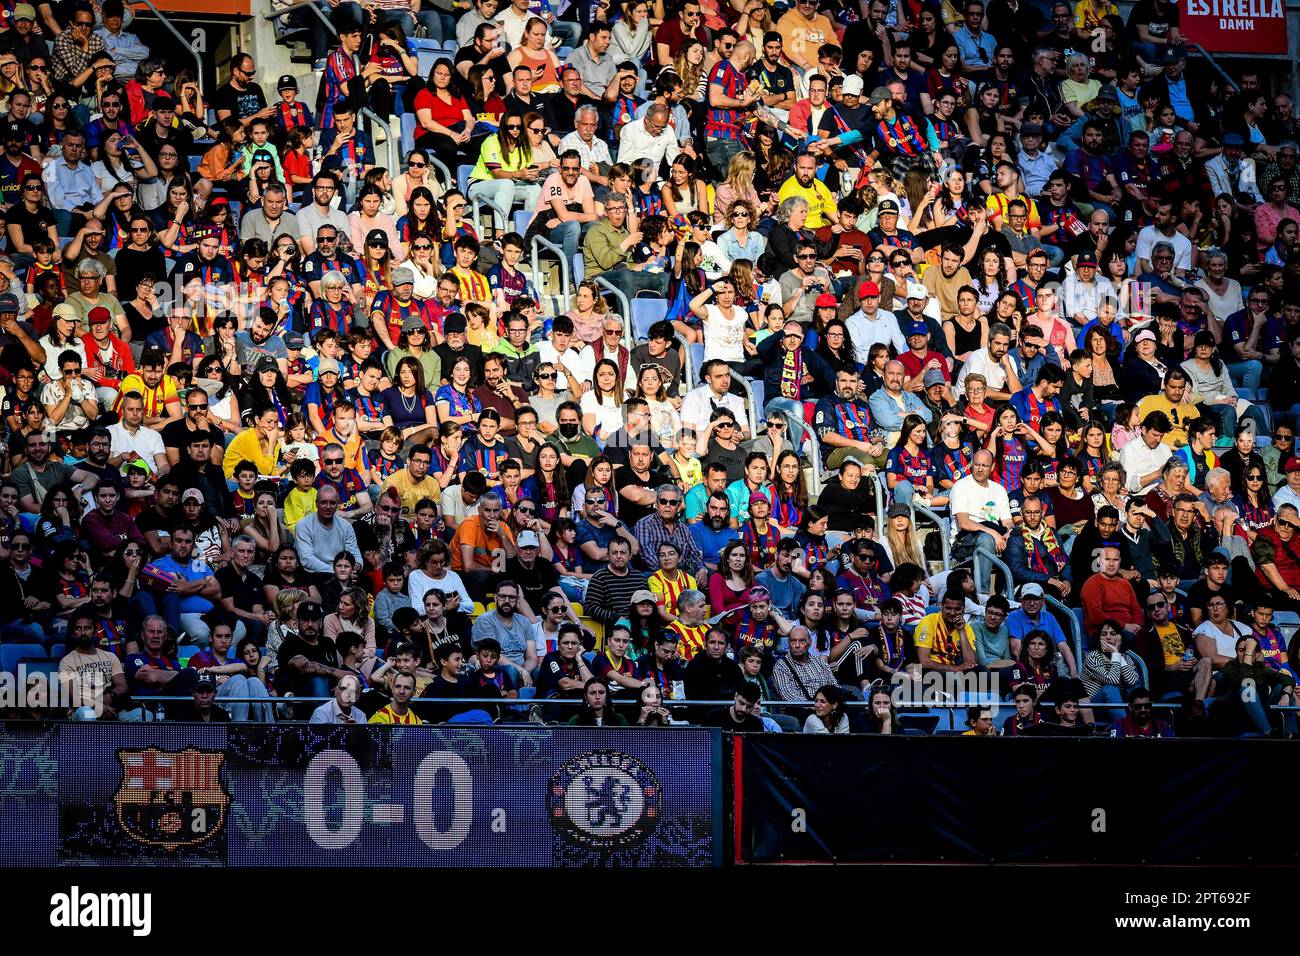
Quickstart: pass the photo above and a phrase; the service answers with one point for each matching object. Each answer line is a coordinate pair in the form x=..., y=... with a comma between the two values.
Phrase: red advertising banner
x=1235, y=26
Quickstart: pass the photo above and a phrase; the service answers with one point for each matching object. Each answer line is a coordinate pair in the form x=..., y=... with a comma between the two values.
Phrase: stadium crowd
x=1021, y=280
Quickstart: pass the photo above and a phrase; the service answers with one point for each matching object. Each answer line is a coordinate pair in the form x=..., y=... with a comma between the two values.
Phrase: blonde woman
x=760, y=23
x=688, y=63
x=588, y=313
x=739, y=184
x=353, y=615
x=630, y=36
x=901, y=543
x=537, y=56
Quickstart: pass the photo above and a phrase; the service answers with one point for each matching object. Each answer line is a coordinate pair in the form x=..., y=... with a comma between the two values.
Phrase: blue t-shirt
x=712, y=542
x=195, y=570
x=1019, y=624
x=597, y=533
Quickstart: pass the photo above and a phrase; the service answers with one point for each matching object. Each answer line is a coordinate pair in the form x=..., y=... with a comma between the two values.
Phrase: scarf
x=791, y=374
x=1041, y=546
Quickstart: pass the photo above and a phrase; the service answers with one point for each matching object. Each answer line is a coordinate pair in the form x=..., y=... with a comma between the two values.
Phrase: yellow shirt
x=1179, y=416
x=297, y=505
x=385, y=715
x=246, y=446
x=1088, y=14
x=668, y=590
x=156, y=399
x=821, y=204
x=411, y=491
x=691, y=472
x=945, y=647
x=690, y=640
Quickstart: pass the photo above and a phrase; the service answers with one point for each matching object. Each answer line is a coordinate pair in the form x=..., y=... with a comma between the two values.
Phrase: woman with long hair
x=651, y=385
x=741, y=241
x=688, y=63
x=504, y=172
x=221, y=346
x=353, y=616
x=139, y=255
x=1093, y=452
x=738, y=184
x=773, y=162
x=37, y=217
x=175, y=220
x=484, y=100
x=729, y=585
x=454, y=401
x=814, y=549
x=58, y=120
x=285, y=572
x=588, y=313
x=682, y=192
x=630, y=36
x=534, y=53
x=788, y=492
x=548, y=485
x=445, y=123
x=122, y=163
x=900, y=541
x=59, y=520
x=908, y=471
x=1009, y=441
x=1036, y=663
x=882, y=716
x=415, y=176
x=598, y=482
x=1254, y=501
x=367, y=219
x=1106, y=392
x=828, y=716
x=602, y=404
x=410, y=403
x=222, y=166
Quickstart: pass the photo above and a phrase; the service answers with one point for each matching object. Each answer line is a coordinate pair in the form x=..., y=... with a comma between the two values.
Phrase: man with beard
x=1035, y=555
x=414, y=481
x=712, y=675
x=157, y=389
x=156, y=521
x=196, y=470
x=39, y=473
x=259, y=340
x=192, y=592
x=309, y=662
x=713, y=532
x=97, y=679
x=498, y=394
x=15, y=164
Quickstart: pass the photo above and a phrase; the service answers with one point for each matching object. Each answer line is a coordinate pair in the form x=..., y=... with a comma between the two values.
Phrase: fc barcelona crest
x=171, y=799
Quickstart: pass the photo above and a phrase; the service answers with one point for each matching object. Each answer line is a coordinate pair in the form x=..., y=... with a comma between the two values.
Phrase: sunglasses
x=332, y=461
x=546, y=376
x=421, y=247
x=198, y=408
x=414, y=165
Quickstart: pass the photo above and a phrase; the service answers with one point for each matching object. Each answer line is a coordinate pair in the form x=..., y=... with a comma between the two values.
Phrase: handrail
x=1076, y=632
x=939, y=523
x=605, y=284
x=198, y=61
x=367, y=113
x=815, y=457
x=749, y=405
x=882, y=494
x=564, y=267
x=1233, y=85
x=998, y=564
x=447, y=178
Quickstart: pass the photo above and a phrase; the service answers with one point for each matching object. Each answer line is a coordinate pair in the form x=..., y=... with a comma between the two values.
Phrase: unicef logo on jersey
x=605, y=800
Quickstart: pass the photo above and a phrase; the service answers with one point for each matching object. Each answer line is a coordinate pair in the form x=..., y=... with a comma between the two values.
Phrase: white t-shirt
x=581, y=363
x=1224, y=645
x=700, y=402
x=554, y=188
x=981, y=502
x=1148, y=237
x=609, y=413
x=145, y=443
x=724, y=338
x=419, y=584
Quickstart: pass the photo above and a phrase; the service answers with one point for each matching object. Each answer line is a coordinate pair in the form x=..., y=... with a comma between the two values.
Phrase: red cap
x=98, y=314
x=827, y=301
x=868, y=288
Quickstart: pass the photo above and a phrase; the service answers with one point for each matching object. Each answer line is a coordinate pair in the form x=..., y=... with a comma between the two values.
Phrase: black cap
x=163, y=101
x=311, y=610
x=454, y=323
x=205, y=682
x=375, y=236
x=287, y=82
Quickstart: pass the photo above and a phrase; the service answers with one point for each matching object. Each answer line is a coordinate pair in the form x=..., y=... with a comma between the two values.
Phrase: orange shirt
x=472, y=532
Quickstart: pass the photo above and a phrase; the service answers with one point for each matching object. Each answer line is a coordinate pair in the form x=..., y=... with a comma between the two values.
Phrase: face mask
x=569, y=430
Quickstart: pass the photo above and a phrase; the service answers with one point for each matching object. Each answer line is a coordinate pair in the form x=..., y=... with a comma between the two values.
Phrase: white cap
x=917, y=291
x=528, y=539
x=852, y=85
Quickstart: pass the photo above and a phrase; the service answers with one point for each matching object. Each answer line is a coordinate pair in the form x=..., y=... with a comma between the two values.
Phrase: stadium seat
x=462, y=178
x=58, y=650
x=645, y=313
x=11, y=654
x=187, y=650
x=522, y=218
x=579, y=268
x=925, y=723
x=408, y=133
x=49, y=666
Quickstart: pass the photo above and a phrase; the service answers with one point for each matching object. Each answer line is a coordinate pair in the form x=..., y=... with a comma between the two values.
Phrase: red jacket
x=119, y=365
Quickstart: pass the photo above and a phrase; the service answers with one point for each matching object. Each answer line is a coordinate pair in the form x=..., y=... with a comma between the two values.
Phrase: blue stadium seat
x=49, y=666
x=11, y=654
x=59, y=651
x=462, y=178
x=579, y=268
x=187, y=650
x=408, y=133
x=522, y=218
x=645, y=313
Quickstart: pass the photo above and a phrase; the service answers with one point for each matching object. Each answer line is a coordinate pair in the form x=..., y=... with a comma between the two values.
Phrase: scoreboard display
x=312, y=795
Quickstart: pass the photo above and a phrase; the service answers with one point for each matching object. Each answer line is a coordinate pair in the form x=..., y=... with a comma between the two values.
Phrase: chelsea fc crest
x=171, y=799
x=604, y=800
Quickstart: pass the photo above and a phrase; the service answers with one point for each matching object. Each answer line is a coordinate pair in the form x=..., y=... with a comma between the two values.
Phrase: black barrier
x=952, y=799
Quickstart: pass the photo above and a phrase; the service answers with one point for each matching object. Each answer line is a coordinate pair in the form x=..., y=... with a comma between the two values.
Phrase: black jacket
x=707, y=679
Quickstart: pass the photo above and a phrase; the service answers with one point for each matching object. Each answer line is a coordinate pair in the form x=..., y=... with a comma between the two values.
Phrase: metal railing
x=285, y=11
x=564, y=267
x=940, y=524
x=171, y=28
x=1214, y=65
x=1076, y=632
x=390, y=146
x=751, y=411
x=814, y=455
x=610, y=289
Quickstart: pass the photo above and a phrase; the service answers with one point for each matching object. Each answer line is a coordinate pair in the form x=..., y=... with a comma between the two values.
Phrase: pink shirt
x=1266, y=220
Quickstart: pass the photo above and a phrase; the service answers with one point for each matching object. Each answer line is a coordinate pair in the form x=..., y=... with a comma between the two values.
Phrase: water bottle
x=1189, y=655
x=679, y=690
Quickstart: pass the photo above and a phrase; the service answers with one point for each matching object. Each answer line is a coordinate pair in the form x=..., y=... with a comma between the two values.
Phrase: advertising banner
x=1235, y=26
x=266, y=795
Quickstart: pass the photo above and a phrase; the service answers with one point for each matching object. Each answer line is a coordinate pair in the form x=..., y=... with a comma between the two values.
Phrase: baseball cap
x=266, y=364
x=294, y=340
x=1031, y=129
x=9, y=303
x=644, y=597
x=852, y=85
x=412, y=324
x=887, y=205
x=1085, y=259
x=286, y=82
x=827, y=301
x=64, y=310
x=880, y=94
x=933, y=377
x=917, y=328
x=868, y=288
x=917, y=291
x=1032, y=589
x=327, y=365
x=192, y=494
x=377, y=237
x=528, y=539
x=759, y=593
x=205, y=682
x=310, y=609
x=403, y=275
x=755, y=496
x=98, y=314
x=1292, y=464
x=1144, y=335
x=898, y=510
x=24, y=11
